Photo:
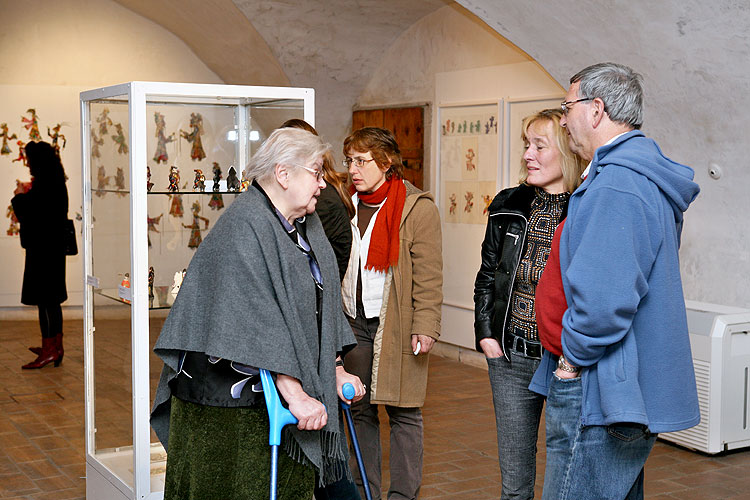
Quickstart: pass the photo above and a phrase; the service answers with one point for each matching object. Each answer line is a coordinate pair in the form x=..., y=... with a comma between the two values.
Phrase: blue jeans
x=593, y=462
x=517, y=415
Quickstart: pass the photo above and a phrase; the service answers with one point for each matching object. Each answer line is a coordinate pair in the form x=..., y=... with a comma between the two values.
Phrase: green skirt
x=223, y=454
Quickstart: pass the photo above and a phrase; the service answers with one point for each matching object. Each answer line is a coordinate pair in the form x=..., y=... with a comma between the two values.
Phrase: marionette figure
x=104, y=122
x=196, y=130
x=244, y=183
x=14, y=229
x=175, y=207
x=174, y=179
x=95, y=143
x=21, y=153
x=217, y=200
x=152, y=222
x=199, y=183
x=195, y=227
x=217, y=177
x=120, y=182
x=57, y=137
x=6, y=136
x=151, y=276
x=149, y=184
x=102, y=181
x=233, y=183
x=162, y=139
x=32, y=125
x=122, y=146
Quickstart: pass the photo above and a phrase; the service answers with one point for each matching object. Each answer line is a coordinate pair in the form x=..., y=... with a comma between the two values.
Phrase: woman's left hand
x=343, y=377
x=424, y=341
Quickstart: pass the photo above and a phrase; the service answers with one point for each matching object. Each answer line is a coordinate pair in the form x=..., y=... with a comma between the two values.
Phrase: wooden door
x=407, y=125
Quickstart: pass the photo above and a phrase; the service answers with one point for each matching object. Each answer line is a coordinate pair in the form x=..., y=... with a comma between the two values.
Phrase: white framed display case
x=132, y=223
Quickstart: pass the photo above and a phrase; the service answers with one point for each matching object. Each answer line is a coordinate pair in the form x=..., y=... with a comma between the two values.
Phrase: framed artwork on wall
x=469, y=166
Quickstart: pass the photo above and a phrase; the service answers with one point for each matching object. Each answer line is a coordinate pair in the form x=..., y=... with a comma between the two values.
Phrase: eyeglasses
x=565, y=106
x=358, y=162
x=317, y=173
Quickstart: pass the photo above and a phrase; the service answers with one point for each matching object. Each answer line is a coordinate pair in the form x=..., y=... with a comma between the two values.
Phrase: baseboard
x=460, y=354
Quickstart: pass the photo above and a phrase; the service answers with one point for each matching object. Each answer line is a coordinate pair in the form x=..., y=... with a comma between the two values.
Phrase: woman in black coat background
x=42, y=212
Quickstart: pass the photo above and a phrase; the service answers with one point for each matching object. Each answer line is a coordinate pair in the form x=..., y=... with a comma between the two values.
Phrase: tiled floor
x=41, y=431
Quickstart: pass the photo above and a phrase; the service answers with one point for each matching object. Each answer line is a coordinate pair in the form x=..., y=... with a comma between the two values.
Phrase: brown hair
x=330, y=175
x=572, y=165
x=381, y=144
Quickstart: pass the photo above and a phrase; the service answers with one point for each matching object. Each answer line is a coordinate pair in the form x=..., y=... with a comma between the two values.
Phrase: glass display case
x=160, y=163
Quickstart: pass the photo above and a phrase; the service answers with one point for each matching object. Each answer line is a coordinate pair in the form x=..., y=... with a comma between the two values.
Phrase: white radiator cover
x=720, y=342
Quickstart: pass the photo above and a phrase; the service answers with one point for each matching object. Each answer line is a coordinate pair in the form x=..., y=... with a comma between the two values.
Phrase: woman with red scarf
x=392, y=292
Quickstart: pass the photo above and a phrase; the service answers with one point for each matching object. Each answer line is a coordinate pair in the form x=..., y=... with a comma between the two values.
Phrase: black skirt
x=44, y=277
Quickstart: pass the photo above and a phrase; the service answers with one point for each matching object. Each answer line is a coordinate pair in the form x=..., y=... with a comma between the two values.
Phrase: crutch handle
x=278, y=416
x=349, y=393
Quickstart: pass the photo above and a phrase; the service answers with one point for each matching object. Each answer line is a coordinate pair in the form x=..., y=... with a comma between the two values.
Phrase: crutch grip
x=278, y=416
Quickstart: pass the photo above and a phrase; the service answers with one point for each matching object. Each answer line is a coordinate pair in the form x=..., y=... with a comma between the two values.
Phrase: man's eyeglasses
x=317, y=173
x=358, y=162
x=565, y=105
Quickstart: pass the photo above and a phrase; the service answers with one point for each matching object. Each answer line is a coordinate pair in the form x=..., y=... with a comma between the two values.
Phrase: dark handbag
x=71, y=246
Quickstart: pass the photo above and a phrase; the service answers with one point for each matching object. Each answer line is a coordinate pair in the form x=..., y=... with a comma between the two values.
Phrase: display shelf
x=131, y=135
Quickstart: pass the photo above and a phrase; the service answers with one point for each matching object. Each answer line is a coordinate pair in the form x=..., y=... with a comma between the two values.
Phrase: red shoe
x=58, y=339
x=49, y=354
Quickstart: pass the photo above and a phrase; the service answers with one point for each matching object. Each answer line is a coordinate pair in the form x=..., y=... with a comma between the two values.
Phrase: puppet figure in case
x=56, y=137
x=233, y=182
x=161, y=139
x=174, y=179
x=32, y=125
x=119, y=138
x=195, y=227
x=5, y=150
x=194, y=136
x=199, y=182
x=217, y=201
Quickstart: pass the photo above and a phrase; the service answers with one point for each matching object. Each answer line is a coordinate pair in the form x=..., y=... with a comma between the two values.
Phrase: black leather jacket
x=502, y=247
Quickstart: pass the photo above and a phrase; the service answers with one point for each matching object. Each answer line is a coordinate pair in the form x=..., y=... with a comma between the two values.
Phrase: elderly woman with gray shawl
x=262, y=291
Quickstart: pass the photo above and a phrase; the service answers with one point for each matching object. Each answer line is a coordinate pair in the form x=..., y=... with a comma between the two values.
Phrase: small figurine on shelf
x=199, y=183
x=125, y=283
x=217, y=201
x=177, y=283
x=104, y=122
x=149, y=184
x=174, y=179
x=194, y=136
x=21, y=153
x=32, y=125
x=151, y=286
x=162, y=139
x=13, y=229
x=120, y=182
x=245, y=183
x=217, y=177
x=119, y=138
x=233, y=183
x=175, y=207
x=152, y=222
x=57, y=136
x=6, y=136
x=195, y=227
x=102, y=181
x=95, y=143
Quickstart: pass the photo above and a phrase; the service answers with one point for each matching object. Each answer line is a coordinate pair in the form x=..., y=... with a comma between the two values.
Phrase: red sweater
x=550, y=300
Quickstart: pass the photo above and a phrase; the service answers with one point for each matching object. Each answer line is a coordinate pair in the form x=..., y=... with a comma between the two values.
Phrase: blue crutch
x=348, y=392
x=278, y=417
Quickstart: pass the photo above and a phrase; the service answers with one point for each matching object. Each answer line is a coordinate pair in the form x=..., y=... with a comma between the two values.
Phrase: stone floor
x=42, y=441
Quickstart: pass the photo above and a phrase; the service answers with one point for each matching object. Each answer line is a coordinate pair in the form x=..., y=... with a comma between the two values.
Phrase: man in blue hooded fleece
x=626, y=371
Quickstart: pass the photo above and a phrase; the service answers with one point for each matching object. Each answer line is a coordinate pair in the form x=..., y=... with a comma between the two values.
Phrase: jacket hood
x=644, y=156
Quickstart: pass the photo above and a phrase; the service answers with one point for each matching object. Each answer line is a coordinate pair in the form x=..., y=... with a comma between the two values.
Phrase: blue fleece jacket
x=626, y=324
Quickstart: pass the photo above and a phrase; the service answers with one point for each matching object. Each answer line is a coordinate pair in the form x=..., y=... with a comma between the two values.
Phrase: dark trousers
x=50, y=319
x=406, y=431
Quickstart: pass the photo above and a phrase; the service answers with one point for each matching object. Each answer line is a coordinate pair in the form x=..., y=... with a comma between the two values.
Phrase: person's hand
x=565, y=375
x=425, y=341
x=491, y=348
x=343, y=377
x=310, y=412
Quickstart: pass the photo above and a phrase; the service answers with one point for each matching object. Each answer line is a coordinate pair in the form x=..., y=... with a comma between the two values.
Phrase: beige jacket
x=412, y=299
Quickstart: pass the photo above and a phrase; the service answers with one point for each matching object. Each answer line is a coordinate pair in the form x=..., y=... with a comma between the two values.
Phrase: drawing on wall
x=194, y=136
x=161, y=139
x=6, y=136
x=104, y=122
x=56, y=137
x=119, y=138
x=469, y=161
x=32, y=125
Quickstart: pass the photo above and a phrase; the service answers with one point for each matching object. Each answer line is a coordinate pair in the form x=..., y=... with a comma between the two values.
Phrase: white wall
x=52, y=51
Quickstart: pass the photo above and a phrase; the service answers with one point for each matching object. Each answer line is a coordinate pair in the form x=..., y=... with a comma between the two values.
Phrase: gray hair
x=287, y=146
x=618, y=86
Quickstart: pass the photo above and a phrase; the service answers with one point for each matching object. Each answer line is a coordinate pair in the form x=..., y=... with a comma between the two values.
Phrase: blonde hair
x=572, y=165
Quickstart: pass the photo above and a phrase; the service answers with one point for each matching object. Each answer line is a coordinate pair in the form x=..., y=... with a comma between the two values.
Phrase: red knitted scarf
x=383, y=251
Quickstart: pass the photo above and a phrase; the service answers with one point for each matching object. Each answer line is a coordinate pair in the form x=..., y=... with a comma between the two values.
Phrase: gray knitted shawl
x=248, y=296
